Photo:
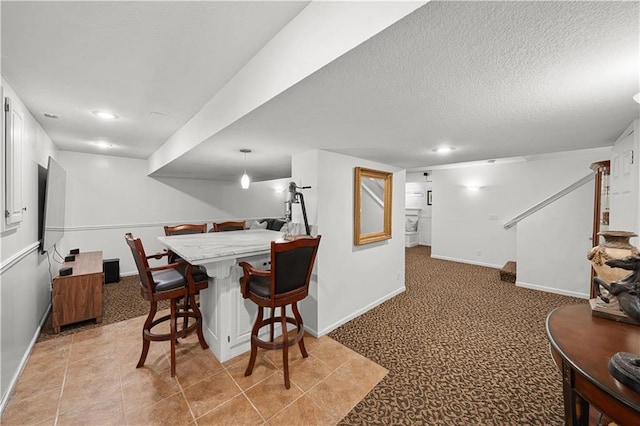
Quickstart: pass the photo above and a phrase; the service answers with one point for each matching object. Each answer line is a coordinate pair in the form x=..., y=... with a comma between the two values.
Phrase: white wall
x=552, y=245
x=415, y=181
x=24, y=276
x=110, y=196
x=350, y=279
x=462, y=226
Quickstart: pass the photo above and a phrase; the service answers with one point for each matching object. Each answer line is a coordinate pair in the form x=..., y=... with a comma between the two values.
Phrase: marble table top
x=199, y=249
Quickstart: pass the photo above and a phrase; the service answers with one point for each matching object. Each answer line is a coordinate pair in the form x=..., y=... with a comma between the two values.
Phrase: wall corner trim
x=16, y=258
x=553, y=290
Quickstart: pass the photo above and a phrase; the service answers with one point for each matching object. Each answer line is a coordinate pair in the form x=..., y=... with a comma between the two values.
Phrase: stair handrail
x=550, y=200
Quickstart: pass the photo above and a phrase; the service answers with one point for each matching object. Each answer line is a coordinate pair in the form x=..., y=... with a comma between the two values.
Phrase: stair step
x=508, y=272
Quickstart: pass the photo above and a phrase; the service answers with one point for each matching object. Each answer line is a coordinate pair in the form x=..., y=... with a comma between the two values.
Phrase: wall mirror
x=372, y=206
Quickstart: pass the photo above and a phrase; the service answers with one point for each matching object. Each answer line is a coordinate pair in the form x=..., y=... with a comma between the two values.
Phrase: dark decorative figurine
x=625, y=366
x=627, y=290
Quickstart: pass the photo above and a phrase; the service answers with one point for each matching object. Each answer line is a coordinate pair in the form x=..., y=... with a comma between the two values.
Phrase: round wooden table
x=581, y=346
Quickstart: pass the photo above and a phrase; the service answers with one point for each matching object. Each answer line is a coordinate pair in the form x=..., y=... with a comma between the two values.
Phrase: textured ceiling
x=155, y=63
x=493, y=79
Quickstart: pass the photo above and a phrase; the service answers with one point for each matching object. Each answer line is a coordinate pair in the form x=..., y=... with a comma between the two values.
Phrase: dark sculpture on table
x=627, y=290
x=625, y=366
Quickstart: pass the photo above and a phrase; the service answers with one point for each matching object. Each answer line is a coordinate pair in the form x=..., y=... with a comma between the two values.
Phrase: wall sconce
x=244, y=180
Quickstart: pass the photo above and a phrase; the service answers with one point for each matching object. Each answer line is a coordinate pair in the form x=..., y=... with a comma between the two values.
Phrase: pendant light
x=245, y=181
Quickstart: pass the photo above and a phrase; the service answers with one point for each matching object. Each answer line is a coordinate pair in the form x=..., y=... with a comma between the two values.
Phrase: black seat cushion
x=274, y=224
x=169, y=279
x=198, y=274
x=260, y=286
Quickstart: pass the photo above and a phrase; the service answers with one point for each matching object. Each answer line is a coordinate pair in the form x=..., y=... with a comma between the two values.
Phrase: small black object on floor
x=111, y=269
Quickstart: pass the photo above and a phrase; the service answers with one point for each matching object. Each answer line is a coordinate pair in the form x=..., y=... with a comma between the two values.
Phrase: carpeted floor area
x=461, y=347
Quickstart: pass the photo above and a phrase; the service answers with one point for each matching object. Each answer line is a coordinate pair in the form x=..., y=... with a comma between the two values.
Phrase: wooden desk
x=581, y=346
x=227, y=317
x=78, y=297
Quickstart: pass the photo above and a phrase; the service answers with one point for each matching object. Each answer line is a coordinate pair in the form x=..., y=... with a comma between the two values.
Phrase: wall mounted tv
x=54, y=201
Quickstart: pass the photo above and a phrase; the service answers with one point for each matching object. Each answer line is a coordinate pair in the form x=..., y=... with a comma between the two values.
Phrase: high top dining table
x=227, y=317
x=581, y=346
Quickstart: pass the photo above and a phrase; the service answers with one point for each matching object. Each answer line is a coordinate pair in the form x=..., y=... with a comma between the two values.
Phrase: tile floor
x=89, y=378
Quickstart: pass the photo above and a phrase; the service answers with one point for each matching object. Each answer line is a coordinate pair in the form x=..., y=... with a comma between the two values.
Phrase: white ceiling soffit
x=319, y=34
x=493, y=79
x=154, y=63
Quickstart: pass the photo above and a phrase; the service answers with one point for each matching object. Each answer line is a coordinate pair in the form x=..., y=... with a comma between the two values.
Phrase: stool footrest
x=278, y=345
x=180, y=332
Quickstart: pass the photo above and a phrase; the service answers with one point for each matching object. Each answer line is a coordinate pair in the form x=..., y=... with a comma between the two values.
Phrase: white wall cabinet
x=624, y=181
x=13, y=141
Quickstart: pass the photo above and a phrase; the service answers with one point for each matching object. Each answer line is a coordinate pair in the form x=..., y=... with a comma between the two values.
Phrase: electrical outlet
x=479, y=253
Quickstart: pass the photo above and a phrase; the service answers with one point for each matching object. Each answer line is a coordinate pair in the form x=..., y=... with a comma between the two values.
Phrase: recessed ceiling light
x=103, y=144
x=637, y=98
x=105, y=114
x=443, y=149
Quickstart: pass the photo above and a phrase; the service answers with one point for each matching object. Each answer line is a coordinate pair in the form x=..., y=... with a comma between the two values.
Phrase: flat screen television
x=54, y=201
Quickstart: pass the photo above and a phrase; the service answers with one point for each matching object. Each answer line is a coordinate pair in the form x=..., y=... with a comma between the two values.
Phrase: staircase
x=508, y=272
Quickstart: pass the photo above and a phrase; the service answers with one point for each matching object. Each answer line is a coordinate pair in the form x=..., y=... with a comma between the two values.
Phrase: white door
x=623, y=180
x=14, y=129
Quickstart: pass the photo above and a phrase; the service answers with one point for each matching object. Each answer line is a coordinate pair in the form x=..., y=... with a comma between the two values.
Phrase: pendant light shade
x=244, y=180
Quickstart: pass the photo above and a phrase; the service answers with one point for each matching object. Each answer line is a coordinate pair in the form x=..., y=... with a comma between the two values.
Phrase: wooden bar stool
x=187, y=228
x=172, y=282
x=285, y=284
x=228, y=226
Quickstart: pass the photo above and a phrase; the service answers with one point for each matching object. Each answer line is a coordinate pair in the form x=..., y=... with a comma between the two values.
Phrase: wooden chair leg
x=196, y=310
x=173, y=322
x=273, y=310
x=147, y=327
x=254, y=346
x=298, y=317
x=285, y=346
x=185, y=323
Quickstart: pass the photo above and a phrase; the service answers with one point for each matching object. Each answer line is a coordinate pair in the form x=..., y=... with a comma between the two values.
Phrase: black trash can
x=111, y=269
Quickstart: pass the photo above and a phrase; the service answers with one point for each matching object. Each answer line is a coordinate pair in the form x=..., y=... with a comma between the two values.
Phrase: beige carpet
x=461, y=347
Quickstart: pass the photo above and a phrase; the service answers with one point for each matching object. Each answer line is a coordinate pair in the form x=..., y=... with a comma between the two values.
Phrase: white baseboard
x=467, y=261
x=23, y=362
x=355, y=314
x=552, y=290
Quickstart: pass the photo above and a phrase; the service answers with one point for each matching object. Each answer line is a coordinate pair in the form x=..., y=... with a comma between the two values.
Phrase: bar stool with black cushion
x=285, y=284
x=228, y=226
x=183, y=229
x=168, y=282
